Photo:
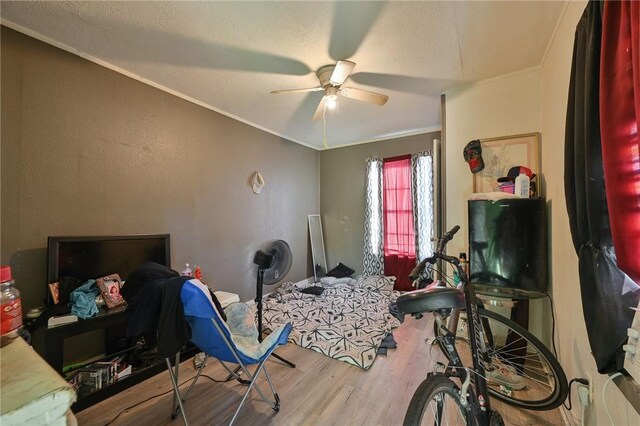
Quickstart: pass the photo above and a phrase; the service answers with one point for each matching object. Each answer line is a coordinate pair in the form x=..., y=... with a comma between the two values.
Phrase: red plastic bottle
x=10, y=307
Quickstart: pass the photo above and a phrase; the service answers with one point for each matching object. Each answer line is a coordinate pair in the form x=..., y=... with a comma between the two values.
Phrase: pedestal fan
x=273, y=265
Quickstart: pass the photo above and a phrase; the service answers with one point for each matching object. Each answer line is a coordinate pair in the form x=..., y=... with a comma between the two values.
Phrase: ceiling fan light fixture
x=331, y=97
x=331, y=78
x=331, y=101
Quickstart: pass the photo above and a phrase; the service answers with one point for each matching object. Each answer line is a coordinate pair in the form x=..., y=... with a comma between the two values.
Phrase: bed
x=347, y=322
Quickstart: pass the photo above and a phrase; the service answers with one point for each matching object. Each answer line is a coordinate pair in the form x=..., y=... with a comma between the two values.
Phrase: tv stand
x=52, y=350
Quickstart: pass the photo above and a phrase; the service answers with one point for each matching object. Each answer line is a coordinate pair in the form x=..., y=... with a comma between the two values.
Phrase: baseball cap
x=514, y=172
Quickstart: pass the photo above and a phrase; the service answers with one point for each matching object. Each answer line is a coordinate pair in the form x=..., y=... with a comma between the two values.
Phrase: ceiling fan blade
x=169, y=47
x=320, y=110
x=405, y=83
x=352, y=21
x=311, y=89
x=341, y=72
x=364, y=95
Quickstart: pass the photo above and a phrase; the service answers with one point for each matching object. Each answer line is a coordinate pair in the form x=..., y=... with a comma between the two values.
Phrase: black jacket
x=154, y=307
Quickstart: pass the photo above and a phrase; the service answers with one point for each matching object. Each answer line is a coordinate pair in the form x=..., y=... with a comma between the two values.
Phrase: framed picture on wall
x=500, y=154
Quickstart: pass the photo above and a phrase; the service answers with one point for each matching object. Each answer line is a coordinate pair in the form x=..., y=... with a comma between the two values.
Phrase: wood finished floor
x=319, y=391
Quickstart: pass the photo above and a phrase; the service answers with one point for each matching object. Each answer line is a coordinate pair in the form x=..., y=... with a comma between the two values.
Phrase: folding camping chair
x=235, y=341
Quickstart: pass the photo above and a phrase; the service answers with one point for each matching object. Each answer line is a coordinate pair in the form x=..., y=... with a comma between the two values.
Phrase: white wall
x=502, y=106
x=574, y=350
x=506, y=105
x=535, y=101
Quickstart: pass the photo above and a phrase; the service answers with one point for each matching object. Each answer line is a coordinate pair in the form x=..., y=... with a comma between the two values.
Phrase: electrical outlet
x=591, y=387
x=583, y=394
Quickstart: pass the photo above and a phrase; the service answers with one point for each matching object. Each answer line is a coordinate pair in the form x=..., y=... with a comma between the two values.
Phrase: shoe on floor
x=199, y=359
x=506, y=375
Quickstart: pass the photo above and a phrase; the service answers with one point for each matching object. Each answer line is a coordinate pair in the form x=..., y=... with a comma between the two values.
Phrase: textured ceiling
x=230, y=55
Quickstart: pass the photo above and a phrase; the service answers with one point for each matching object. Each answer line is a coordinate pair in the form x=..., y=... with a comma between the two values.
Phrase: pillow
x=332, y=281
x=340, y=271
x=315, y=290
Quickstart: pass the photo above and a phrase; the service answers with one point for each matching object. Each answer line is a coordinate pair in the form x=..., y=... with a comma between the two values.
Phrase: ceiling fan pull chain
x=324, y=127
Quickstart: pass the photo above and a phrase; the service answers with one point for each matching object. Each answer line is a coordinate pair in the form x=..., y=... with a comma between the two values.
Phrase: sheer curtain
x=372, y=263
x=399, y=235
x=422, y=195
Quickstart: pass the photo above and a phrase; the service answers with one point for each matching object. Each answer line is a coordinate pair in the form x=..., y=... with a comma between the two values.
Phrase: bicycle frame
x=480, y=396
x=478, y=349
x=500, y=348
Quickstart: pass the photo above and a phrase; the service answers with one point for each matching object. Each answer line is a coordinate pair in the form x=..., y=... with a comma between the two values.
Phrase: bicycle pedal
x=430, y=341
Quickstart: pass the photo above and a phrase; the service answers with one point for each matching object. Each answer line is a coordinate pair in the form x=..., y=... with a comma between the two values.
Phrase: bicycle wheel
x=522, y=371
x=437, y=402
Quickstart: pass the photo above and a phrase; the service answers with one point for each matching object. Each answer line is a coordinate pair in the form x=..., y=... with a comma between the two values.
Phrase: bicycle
x=496, y=358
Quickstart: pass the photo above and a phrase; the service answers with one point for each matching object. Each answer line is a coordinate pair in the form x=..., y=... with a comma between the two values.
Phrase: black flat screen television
x=90, y=257
x=508, y=247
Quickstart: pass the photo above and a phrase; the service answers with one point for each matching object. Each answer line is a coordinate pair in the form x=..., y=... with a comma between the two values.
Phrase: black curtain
x=606, y=292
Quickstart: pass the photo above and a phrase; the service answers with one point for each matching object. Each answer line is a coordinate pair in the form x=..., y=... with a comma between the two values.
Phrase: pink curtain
x=399, y=235
x=619, y=121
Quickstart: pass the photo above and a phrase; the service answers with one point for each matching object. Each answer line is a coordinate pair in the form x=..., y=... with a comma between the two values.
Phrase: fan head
x=262, y=259
x=276, y=261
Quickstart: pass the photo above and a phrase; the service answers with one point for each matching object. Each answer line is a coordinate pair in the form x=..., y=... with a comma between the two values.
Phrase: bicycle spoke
x=524, y=366
x=515, y=362
x=512, y=356
x=443, y=408
x=437, y=410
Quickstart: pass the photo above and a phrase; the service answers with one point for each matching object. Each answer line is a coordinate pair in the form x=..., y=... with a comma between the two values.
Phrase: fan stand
x=259, y=285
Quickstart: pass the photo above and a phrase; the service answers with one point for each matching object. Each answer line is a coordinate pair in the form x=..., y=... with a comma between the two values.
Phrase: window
x=399, y=215
x=399, y=235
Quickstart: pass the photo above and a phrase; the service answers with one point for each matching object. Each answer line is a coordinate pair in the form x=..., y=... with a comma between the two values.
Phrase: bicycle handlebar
x=415, y=272
x=446, y=238
x=439, y=254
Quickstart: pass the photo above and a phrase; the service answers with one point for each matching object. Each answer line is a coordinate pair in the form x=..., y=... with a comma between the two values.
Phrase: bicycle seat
x=430, y=299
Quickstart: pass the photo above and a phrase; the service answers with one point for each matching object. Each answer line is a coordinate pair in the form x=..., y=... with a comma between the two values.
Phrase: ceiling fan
x=331, y=79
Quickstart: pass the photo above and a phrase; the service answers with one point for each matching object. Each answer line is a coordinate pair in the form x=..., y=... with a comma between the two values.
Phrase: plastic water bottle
x=522, y=186
x=10, y=307
x=186, y=271
x=464, y=263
